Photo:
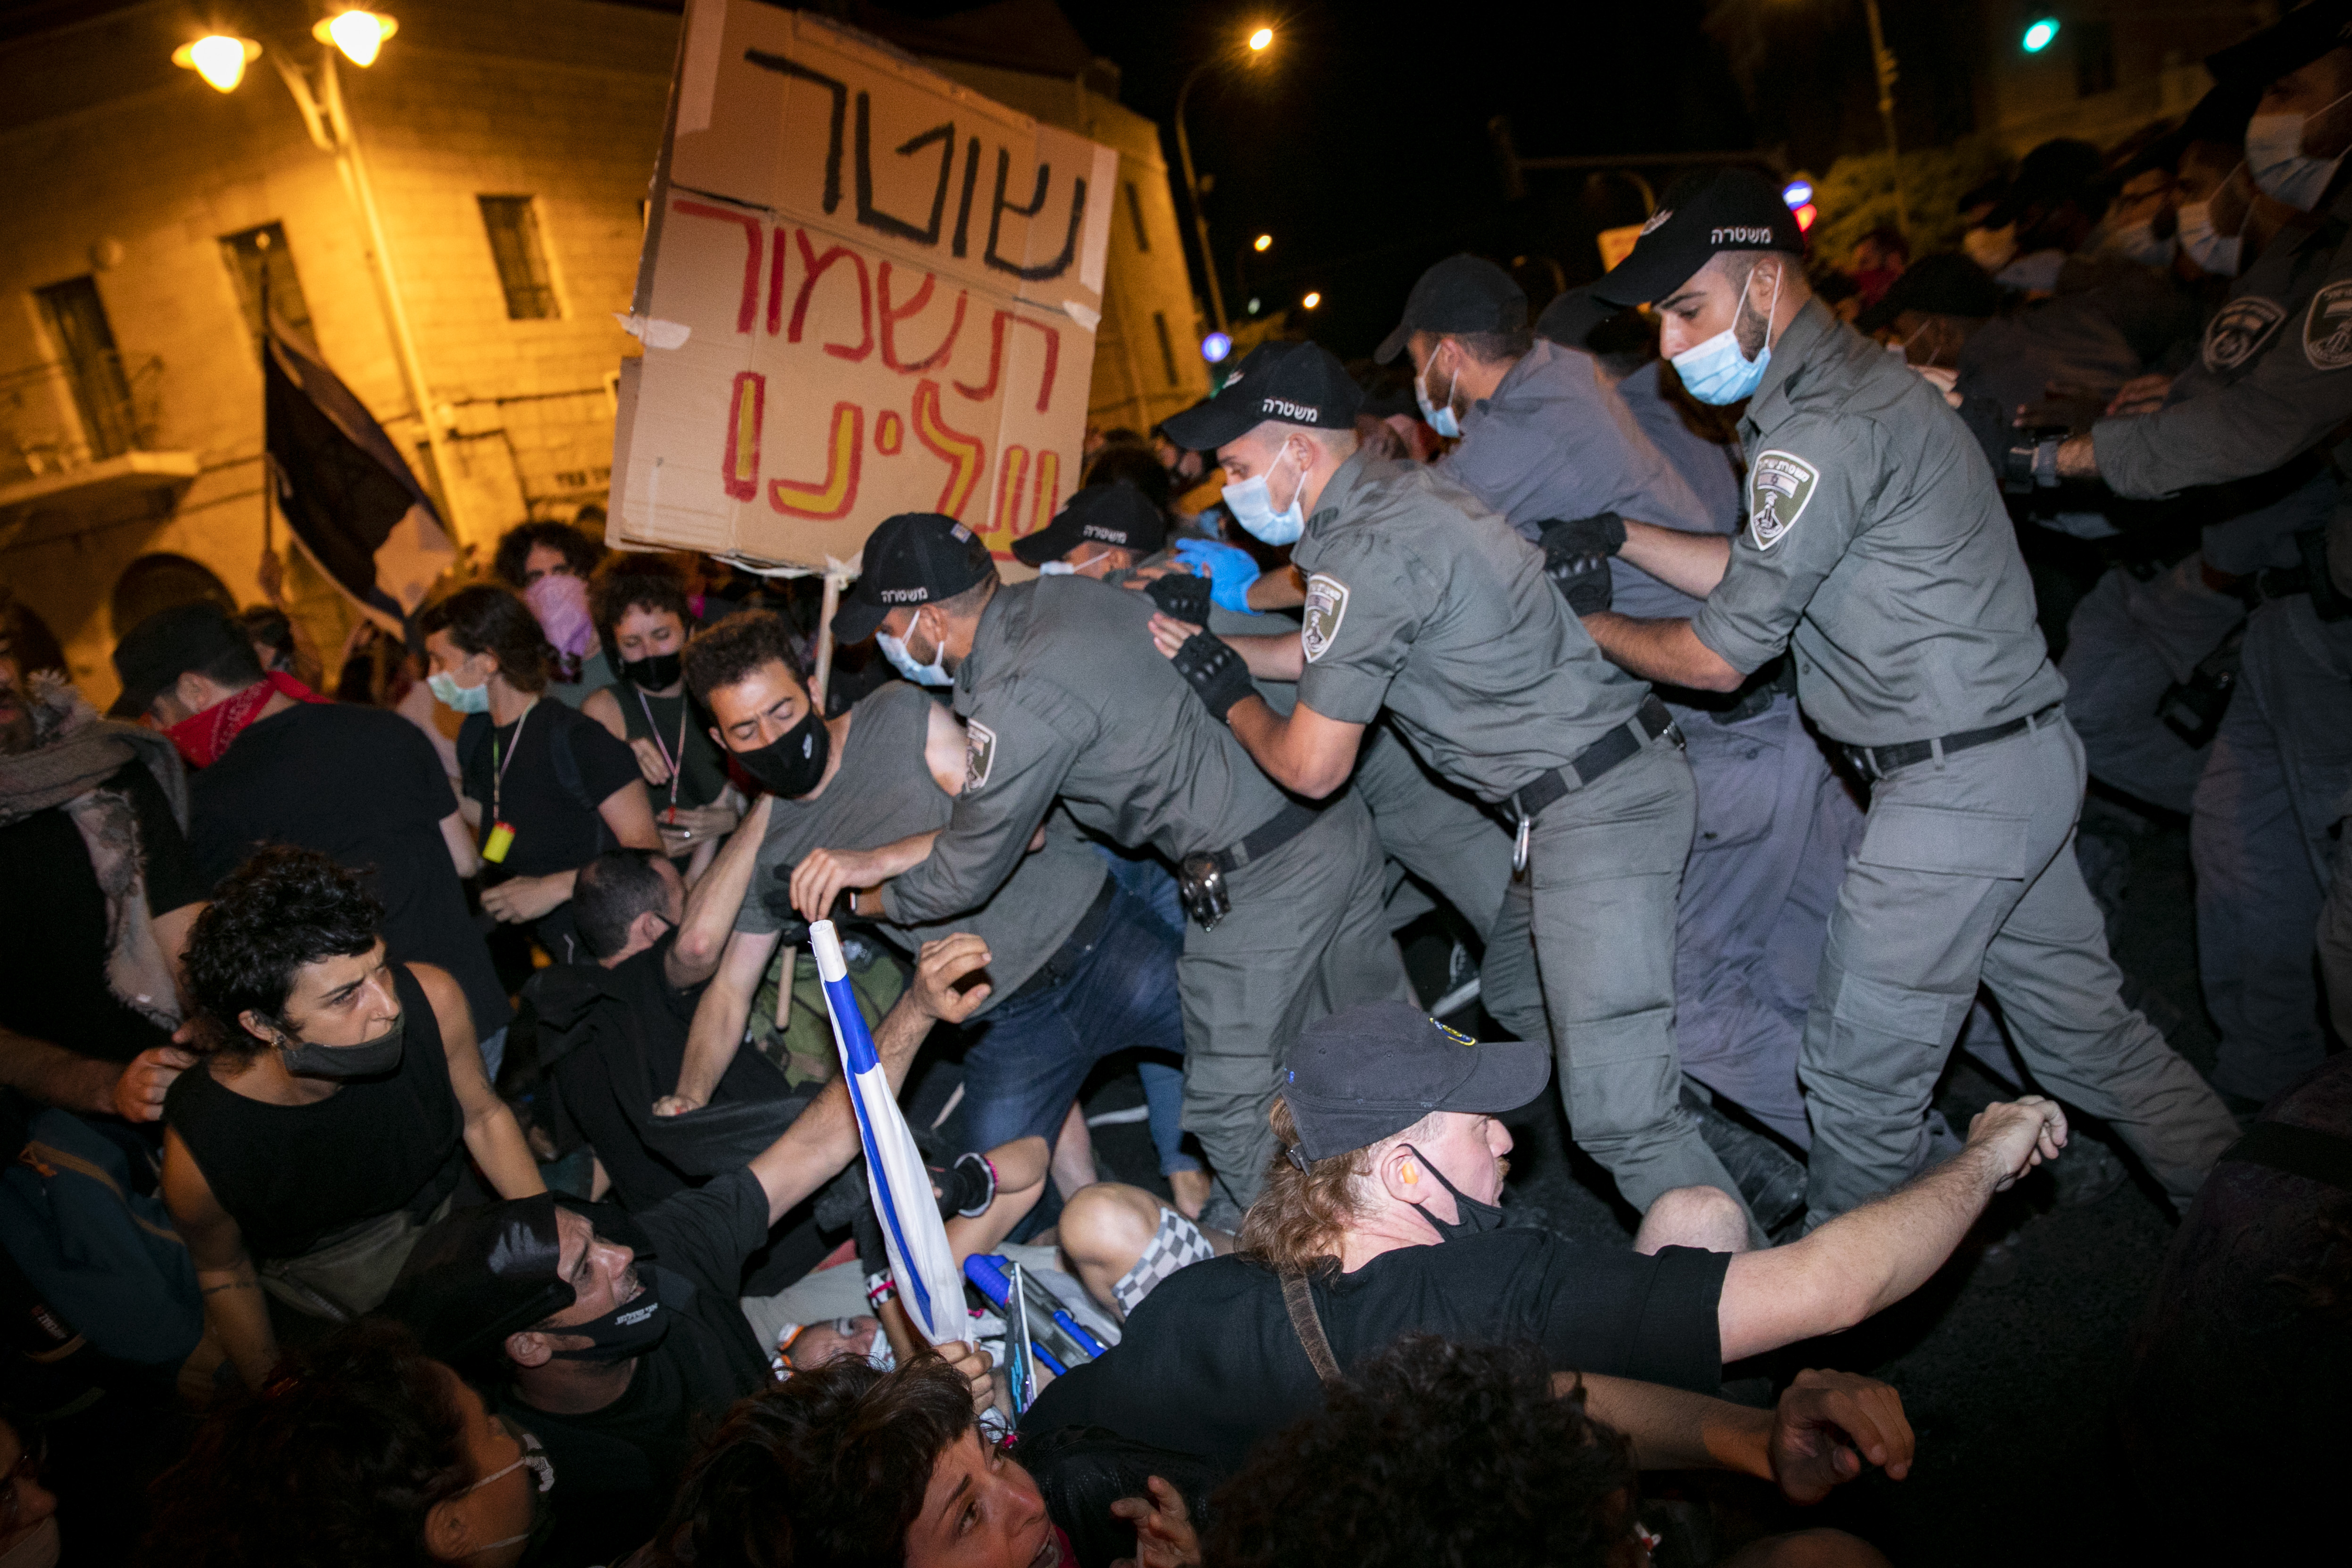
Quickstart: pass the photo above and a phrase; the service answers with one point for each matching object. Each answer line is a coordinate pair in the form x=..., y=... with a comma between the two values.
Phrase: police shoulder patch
x=979, y=754
x=1779, y=486
x=1327, y=606
x=2238, y=330
x=2327, y=330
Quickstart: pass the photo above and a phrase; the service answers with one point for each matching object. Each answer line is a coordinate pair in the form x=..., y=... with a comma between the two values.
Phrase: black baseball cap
x=1729, y=210
x=1570, y=317
x=1114, y=514
x=479, y=1274
x=166, y=646
x=2289, y=43
x=1948, y=284
x=1358, y=1076
x=914, y=558
x=1460, y=294
x=1298, y=383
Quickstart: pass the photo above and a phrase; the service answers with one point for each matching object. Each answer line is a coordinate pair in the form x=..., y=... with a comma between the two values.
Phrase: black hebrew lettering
x=962, y=245
x=873, y=216
x=840, y=91
x=1060, y=263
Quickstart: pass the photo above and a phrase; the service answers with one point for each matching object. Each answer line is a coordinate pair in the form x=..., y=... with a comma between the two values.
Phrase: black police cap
x=1113, y=514
x=1360, y=1075
x=167, y=644
x=1948, y=284
x=1298, y=383
x=2287, y=45
x=914, y=558
x=1729, y=210
x=1460, y=294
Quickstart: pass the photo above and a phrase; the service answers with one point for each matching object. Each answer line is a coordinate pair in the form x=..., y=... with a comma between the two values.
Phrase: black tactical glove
x=1181, y=596
x=1582, y=580
x=1602, y=534
x=1219, y=674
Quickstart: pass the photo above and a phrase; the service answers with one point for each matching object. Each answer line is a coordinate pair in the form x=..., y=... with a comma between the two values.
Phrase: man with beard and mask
x=2260, y=413
x=1080, y=969
x=619, y=1339
x=333, y=1109
x=1424, y=605
x=641, y=614
x=1380, y=1219
x=1062, y=696
x=1878, y=547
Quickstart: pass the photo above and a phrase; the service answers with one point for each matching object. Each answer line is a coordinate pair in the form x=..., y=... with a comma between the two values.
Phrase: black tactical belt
x=1877, y=761
x=1082, y=938
x=1284, y=825
x=1650, y=721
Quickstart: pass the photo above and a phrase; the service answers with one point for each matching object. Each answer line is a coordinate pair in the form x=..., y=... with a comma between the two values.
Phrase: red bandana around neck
x=205, y=736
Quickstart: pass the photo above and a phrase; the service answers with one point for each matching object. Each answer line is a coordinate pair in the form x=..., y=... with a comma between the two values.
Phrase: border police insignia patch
x=1779, y=486
x=1327, y=606
x=2327, y=330
x=979, y=754
x=2238, y=330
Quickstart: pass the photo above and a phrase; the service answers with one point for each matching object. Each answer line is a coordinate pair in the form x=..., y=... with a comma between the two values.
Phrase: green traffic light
x=2040, y=34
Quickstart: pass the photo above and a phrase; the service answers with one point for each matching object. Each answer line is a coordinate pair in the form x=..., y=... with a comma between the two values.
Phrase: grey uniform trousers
x=1306, y=936
x=2126, y=642
x=1446, y=839
x=2272, y=789
x=1583, y=953
x=1965, y=871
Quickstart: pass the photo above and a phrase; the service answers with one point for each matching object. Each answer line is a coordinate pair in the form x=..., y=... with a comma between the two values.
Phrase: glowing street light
x=219, y=59
x=2040, y=35
x=359, y=34
x=1261, y=40
x=1312, y=301
x=1262, y=243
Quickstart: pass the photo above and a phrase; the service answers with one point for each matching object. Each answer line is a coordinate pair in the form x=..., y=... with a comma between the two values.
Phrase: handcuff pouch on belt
x=1201, y=883
x=2192, y=708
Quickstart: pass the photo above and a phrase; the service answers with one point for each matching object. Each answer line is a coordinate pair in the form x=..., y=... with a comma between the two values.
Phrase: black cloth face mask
x=629, y=1330
x=369, y=1058
x=1475, y=1218
x=659, y=672
x=793, y=763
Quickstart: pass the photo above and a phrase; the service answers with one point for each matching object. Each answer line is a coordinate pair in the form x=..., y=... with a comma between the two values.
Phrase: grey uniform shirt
x=1064, y=694
x=1710, y=468
x=1554, y=441
x=1421, y=601
x=1877, y=545
x=884, y=792
x=2270, y=378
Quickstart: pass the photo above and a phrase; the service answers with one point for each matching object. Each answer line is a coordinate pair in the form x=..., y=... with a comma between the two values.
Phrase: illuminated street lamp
x=219, y=59
x=1311, y=301
x=1263, y=242
x=2040, y=34
x=1260, y=40
x=359, y=34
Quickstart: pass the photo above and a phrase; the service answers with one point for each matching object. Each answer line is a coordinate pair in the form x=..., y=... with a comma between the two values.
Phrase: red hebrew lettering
x=996, y=358
x=966, y=456
x=812, y=269
x=890, y=320
x=1011, y=483
x=844, y=450
x=776, y=286
x=751, y=226
x=741, y=467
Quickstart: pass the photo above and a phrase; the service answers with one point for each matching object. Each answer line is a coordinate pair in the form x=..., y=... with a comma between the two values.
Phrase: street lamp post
x=1881, y=59
x=1258, y=43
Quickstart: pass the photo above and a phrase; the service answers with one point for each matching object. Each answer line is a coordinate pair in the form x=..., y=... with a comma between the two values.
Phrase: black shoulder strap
x=2298, y=1151
x=1300, y=1298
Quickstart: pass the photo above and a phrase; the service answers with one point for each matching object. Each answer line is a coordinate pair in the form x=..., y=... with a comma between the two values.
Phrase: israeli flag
x=930, y=1287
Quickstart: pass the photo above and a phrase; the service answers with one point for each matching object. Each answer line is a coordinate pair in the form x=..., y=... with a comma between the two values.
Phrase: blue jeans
x=1034, y=1048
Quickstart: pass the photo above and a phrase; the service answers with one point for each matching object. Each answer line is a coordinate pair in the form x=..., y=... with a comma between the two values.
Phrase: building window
x=513, y=224
x=249, y=261
x=84, y=342
x=1167, y=346
x=164, y=582
x=1135, y=212
x=2095, y=57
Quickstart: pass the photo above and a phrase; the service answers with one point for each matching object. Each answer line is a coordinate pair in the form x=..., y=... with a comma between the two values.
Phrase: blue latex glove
x=1230, y=571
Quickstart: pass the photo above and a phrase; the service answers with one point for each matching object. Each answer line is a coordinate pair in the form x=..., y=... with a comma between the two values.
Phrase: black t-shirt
x=619, y=1466
x=54, y=930
x=363, y=787
x=1209, y=1364
x=564, y=768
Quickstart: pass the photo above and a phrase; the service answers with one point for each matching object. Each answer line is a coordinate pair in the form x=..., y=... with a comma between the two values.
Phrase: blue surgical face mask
x=1439, y=415
x=1252, y=504
x=2275, y=158
x=932, y=674
x=1716, y=370
x=2214, y=252
x=459, y=699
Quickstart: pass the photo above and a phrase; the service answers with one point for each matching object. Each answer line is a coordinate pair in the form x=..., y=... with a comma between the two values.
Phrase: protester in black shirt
x=1383, y=1201
x=90, y=935
x=552, y=789
x=615, y=1364
x=360, y=785
x=641, y=614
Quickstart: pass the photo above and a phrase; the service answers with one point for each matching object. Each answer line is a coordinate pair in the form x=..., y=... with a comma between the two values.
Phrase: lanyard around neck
x=499, y=766
x=675, y=761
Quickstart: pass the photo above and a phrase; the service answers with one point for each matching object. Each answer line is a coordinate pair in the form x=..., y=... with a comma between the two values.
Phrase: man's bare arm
x=1694, y=563
x=717, y=1032
x=711, y=909
x=53, y=1075
x=1825, y=1426
x=1666, y=651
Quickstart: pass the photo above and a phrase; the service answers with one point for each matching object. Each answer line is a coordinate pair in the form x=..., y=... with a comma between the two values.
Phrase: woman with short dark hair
x=639, y=606
x=547, y=790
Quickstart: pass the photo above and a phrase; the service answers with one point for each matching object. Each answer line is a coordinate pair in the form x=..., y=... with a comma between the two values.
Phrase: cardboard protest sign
x=864, y=290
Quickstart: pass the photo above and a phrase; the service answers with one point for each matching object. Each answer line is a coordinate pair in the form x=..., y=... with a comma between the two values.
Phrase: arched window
x=158, y=582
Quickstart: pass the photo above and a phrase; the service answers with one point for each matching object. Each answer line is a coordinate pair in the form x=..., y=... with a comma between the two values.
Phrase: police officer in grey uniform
x=1422, y=603
x=2274, y=787
x=1062, y=695
x=1543, y=439
x=1877, y=545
